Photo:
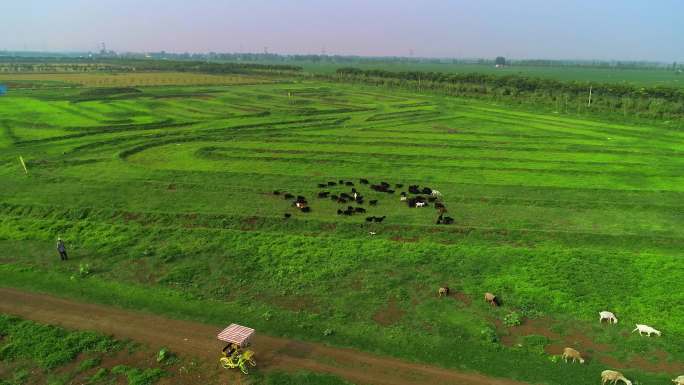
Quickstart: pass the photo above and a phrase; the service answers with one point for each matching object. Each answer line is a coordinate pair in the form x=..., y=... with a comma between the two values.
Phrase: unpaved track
x=198, y=340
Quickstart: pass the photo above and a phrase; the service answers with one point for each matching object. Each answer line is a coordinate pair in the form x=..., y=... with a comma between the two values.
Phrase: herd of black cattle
x=416, y=197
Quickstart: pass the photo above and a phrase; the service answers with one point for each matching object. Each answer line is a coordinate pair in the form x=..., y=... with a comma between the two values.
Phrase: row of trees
x=570, y=96
x=129, y=65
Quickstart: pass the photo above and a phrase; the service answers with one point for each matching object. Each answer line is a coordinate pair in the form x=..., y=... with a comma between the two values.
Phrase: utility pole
x=589, y=104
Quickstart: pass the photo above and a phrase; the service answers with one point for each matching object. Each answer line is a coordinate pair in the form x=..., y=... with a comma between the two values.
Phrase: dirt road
x=198, y=340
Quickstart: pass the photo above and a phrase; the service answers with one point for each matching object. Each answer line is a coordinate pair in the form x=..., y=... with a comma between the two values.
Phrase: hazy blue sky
x=572, y=29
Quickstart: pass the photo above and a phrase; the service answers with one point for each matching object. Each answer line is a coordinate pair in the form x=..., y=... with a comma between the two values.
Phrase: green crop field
x=635, y=76
x=182, y=189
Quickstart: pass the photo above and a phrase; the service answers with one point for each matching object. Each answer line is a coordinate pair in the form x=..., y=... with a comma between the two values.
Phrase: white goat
x=420, y=204
x=403, y=198
x=436, y=194
x=679, y=380
x=607, y=316
x=613, y=377
x=646, y=329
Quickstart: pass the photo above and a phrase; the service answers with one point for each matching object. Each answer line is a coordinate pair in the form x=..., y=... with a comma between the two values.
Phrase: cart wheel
x=252, y=362
x=243, y=368
x=225, y=362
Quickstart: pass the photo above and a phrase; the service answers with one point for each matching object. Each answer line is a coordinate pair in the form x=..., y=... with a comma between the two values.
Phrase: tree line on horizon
x=656, y=102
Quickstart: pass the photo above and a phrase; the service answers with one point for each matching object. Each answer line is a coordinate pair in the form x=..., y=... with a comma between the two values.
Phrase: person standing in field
x=62, y=249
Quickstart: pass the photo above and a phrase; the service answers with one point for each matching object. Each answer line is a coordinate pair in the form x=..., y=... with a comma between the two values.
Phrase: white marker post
x=23, y=164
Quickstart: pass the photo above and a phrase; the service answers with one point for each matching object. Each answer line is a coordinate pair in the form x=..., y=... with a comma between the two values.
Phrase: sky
x=539, y=29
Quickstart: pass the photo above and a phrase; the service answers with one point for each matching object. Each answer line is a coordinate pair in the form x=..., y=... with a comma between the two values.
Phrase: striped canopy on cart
x=236, y=334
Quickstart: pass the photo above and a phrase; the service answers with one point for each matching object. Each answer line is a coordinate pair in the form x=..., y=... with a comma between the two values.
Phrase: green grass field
x=171, y=188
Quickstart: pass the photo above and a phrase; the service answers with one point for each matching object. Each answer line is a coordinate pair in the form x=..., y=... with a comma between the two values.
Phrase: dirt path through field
x=198, y=340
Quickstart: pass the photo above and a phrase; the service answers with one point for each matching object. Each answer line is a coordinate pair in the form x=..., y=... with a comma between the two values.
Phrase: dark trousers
x=63, y=255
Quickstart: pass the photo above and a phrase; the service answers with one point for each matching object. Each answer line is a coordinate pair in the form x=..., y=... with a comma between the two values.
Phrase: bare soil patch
x=390, y=314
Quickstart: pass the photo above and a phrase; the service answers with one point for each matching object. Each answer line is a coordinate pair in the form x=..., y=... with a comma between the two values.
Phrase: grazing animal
x=360, y=210
x=572, y=353
x=413, y=189
x=379, y=219
x=349, y=183
x=491, y=299
x=608, y=316
x=276, y=192
x=436, y=194
x=613, y=377
x=340, y=181
x=368, y=219
x=300, y=198
x=420, y=204
x=385, y=184
x=322, y=185
x=334, y=197
x=288, y=196
x=679, y=380
x=427, y=190
x=339, y=212
x=287, y=215
x=403, y=198
x=372, y=232
x=345, y=195
x=331, y=183
x=363, y=181
x=390, y=191
x=646, y=329
x=300, y=205
x=323, y=194
x=398, y=185
x=373, y=202
x=448, y=220
x=341, y=200
x=356, y=195
x=306, y=209
x=353, y=190
x=443, y=291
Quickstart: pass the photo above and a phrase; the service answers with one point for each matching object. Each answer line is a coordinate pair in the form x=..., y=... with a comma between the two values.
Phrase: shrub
x=512, y=319
x=137, y=376
x=488, y=334
x=83, y=270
